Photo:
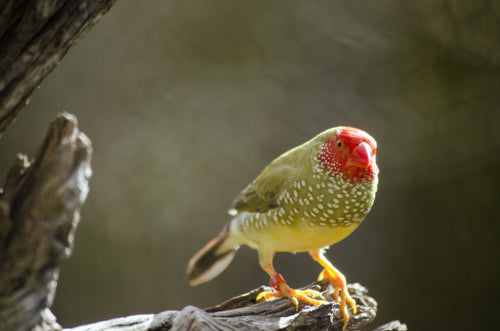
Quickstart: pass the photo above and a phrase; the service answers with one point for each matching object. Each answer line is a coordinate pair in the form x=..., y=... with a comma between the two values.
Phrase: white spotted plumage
x=342, y=203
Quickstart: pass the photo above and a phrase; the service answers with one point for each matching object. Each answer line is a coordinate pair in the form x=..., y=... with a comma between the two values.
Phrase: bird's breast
x=312, y=213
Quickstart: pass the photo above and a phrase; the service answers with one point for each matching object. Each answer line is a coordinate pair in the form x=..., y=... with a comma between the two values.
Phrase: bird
x=305, y=200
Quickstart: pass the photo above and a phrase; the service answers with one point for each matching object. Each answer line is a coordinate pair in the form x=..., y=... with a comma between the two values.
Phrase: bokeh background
x=186, y=101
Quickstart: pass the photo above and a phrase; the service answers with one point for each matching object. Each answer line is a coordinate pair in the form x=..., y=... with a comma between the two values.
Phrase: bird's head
x=350, y=152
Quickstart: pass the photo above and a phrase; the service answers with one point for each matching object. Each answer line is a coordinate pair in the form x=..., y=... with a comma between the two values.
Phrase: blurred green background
x=186, y=101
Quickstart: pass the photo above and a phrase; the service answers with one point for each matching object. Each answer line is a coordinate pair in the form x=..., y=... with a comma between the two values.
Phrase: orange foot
x=339, y=283
x=283, y=290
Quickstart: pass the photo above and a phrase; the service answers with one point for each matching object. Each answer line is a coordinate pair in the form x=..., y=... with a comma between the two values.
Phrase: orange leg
x=338, y=281
x=279, y=284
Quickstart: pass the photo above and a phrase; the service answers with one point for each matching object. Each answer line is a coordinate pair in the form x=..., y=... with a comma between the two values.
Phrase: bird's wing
x=263, y=193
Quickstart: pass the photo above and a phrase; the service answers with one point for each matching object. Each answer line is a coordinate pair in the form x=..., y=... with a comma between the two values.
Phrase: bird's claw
x=340, y=293
x=294, y=296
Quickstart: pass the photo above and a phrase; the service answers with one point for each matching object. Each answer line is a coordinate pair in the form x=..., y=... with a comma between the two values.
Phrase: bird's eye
x=339, y=144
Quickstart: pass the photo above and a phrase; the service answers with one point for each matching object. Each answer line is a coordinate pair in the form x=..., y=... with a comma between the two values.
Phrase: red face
x=351, y=152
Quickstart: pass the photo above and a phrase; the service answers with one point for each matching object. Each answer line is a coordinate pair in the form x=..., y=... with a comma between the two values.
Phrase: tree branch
x=39, y=211
x=243, y=313
x=35, y=35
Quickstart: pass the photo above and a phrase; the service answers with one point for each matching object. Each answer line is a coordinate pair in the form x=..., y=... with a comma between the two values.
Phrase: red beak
x=361, y=156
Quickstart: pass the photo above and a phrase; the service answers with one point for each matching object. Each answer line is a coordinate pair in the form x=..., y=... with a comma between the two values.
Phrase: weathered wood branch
x=244, y=313
x=39, y=211
x=34, y=37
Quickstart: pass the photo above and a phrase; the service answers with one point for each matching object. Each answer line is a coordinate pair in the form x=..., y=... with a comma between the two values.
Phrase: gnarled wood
x=243, y=313
x=39, y=211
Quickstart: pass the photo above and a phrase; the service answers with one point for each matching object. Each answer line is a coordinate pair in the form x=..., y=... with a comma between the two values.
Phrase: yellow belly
x=297, y=238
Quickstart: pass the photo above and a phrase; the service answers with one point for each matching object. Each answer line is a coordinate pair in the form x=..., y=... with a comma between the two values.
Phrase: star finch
x=307, y=199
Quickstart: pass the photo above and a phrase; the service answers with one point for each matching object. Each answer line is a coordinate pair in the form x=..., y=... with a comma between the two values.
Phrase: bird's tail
x=212, y=259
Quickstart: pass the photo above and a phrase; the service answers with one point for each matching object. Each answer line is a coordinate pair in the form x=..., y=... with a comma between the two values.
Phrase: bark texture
x=244, y=313
x=39, y=211
x=34, y=36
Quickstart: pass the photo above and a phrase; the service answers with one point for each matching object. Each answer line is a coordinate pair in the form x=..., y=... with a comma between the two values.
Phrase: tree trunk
x=34, y=37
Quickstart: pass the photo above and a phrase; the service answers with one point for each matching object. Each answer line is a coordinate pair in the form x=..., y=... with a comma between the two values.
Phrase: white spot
x=335, y=206
x=336, y=200
x=295, y=193
x=329, y=211
x=297, y=184
x=306, y=214
x=303, y=182
x=310, y=188
x=330, y=191
x=347, y=207
x=318, y=186
x=315, y=210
